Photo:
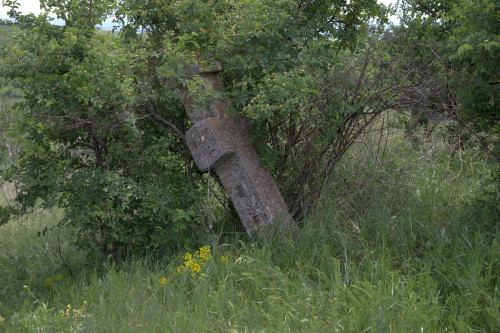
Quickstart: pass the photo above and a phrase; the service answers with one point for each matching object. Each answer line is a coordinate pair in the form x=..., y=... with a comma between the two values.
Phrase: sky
x=27, y=6
x=33, y=6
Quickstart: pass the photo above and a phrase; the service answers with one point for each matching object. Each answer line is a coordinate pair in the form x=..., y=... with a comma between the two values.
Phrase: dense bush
x=103, y=127
x=103, y=121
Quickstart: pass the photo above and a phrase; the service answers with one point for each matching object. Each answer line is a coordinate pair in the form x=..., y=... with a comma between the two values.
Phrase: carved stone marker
x=221, y=143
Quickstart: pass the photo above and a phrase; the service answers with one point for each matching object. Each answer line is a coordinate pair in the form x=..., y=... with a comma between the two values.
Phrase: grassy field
x=408, y=242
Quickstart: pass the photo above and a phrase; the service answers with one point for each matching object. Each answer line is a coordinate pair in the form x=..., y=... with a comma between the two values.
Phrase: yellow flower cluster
x=2, y=320
x=78, y=314
x=194, y=264
x=49, y=281
x=68, y=311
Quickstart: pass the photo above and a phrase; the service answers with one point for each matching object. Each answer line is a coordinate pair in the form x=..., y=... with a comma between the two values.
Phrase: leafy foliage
x=119, y=179
x=474, y=48
x=465, y=35
x=105, y=127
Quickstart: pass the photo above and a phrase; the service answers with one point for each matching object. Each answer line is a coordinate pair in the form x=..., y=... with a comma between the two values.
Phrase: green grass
x=408, y=243
x=7, y=194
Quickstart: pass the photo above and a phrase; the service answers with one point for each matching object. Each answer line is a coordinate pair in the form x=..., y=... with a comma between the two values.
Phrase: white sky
x=33, y=6
x=26, y=6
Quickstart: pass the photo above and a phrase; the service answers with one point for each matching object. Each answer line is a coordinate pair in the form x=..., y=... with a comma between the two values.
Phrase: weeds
x=408, y=243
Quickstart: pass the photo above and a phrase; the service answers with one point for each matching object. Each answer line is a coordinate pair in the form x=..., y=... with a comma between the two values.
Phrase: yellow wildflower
x=48, y=282
x=224, y=259
x=193, y=264
x=2, y=320
x=163, y=281
x=79, y=313
x=68, y=310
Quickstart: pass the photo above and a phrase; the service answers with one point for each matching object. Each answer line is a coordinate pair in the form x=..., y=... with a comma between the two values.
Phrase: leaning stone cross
x=221, y=142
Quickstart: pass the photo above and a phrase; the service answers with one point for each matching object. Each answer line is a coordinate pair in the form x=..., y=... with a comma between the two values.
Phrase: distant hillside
x=8, y=94
x=5, y=33
x=106, y=25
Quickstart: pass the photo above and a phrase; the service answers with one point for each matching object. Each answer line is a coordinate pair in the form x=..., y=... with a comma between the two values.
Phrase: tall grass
x=408, y=242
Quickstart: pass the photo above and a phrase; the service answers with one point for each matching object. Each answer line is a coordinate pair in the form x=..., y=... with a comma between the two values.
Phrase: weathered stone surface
x=206, y=144
x=222, y=143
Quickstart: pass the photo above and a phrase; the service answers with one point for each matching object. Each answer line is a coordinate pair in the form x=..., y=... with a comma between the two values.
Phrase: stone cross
x=221, y=142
